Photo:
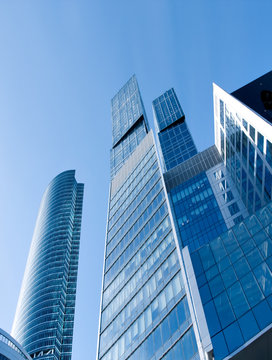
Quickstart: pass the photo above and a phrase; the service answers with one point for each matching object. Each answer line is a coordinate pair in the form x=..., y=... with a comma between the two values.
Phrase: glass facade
x=234, y=276
x=129, y=123
x=44, y=318
x=10, y=349
x=144, y=307
x=197, y=212
x=175, y=141
x=246, y=146
x=188, y=269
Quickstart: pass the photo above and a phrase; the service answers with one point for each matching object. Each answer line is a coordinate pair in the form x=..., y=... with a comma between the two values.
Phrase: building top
x=127, y=110
x=167, y=110
x=258, y=95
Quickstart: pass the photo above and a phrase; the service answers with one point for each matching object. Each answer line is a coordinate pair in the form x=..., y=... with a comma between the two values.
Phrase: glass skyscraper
x=144, y=309
x=44, y=318
x=175, y=141
x=187, y=271
x=129, y=123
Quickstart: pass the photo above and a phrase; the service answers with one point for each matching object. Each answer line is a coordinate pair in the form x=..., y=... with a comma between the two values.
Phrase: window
x=268, y=183
x=233, y=209
x=252, y=132
x=245, y=124
x=233, y=337
x=228, y=196
x=269, y=152
x=223, y=185
x=238, y=219
x=260, y=142
x=218, y=174
x=222, y=113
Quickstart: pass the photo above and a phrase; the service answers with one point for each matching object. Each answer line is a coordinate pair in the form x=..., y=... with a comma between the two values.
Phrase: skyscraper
x=175, y=141
x=44, y=318
x=187, y=271
x=144, y=307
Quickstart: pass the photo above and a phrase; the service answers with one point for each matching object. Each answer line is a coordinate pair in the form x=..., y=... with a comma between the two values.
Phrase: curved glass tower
x=44, y=317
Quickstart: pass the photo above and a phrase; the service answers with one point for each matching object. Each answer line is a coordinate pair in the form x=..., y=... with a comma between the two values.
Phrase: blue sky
x=61, y=63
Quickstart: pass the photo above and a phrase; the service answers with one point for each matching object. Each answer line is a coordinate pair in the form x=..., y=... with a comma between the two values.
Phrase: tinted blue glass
x=248, y=246
x=197, y=212
x=129, y=123
x=189, y=344
x=176, y=145
x=260, y=142
x=254, y=258
x=224, y=310
x=252, y=224
x=241, y=233
x=233, y=337
x=263, y=314
x=229, y=241
x=245, y=125
x=268, y=183
x=238, y=219
x=233, y=209
x=238, y=299
x=144, y=306
x=251, y=289
x=224, y=264
x=266, y=248
x=259, y=173
x=269, y=230
x=264, y=215
x=167, y=109
x=175, y=141
x=252, y=132
x=248, y=326
x=212, y=317
x=198, y=268
x=45, y=314
x=246, y=280
x=205, y=293
x=269, y=152
x=228, y=277
x=212, y=272
x=236, y=254
x=264, y=278
x=206, y=257
x=220, y=347
x=218, y=249
x=222, y=116
x=241, y=267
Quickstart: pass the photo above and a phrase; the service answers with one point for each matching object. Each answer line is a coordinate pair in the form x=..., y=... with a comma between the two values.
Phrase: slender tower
x=175, y=142
x=44, y=318
x=144, y=307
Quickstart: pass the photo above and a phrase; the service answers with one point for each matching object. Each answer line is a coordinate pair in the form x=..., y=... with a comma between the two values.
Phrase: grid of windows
x=234, y=275
x=177, y=145
x=167, y=109
x=248, y=157
x=143, y=292
x=126, y=108
x=129, y=123
x=197, y=212
x=45, y=315
x=175, y=141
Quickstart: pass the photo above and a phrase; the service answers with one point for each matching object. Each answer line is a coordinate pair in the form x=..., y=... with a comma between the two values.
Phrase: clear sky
x=61, y=63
